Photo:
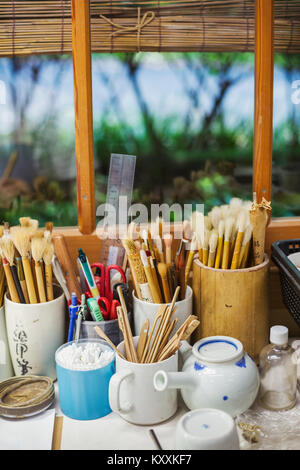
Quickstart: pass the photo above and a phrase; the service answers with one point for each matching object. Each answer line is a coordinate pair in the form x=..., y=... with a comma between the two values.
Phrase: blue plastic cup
x=83, y=394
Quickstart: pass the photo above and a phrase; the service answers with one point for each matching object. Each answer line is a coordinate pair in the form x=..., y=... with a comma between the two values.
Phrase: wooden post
x=83, y=115
x=263, y=112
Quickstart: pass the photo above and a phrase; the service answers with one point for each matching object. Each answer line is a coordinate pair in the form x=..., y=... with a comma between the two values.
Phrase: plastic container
x=289, y=274
x=83, y=394
x=110, y=328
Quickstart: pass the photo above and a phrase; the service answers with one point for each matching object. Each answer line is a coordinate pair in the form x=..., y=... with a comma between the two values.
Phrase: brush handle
x=29, y=280
x=225, y=258
x=40, y=281
x=10, y=284
x=17, y=283
x=219, y=253
x=153, y=289
x=66, y=264
x=49, y=281
x=237, y=249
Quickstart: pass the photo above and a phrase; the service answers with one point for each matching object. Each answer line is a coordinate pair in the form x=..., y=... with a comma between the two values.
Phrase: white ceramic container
x=6, y=368
x=132, y=394
x=35, y=332
x=216, y=373
x=146, y=310
x=206, y=429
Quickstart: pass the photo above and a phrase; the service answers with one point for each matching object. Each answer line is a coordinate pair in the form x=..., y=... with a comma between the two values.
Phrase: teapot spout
x=163, y=380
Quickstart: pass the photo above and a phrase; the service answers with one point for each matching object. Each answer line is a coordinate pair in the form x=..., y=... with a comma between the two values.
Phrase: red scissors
x=108, y=309
x=103, y=281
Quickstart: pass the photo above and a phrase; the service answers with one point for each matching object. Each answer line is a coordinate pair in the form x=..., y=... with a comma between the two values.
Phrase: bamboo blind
x=44, y=27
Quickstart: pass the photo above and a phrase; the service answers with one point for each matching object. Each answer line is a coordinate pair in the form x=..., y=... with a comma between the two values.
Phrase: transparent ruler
x=119, y=196
x=120, y=182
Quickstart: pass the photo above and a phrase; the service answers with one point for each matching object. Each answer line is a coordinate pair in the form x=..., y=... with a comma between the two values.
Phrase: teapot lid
x=218, y=349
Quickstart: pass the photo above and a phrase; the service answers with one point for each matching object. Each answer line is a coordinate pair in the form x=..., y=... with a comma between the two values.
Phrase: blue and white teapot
x=216, y=373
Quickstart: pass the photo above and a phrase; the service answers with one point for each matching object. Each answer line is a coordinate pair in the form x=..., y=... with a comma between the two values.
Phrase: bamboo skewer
x=158, y=316
x=124, y=315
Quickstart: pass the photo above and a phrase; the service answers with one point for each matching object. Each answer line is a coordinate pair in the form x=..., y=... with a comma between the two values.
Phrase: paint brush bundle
x=26, y=260
x=155, y=269
x=232, y=236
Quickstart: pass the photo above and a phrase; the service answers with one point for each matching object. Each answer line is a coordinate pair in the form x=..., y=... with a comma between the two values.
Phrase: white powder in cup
x=84, y=356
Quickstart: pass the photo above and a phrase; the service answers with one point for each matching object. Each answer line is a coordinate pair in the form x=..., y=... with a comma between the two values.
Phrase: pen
x=73, y=308
x=88, y=274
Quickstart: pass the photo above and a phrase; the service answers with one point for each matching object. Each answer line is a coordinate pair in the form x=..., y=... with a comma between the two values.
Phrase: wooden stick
x=106, y=338
x=142, y=339
x=158, y=315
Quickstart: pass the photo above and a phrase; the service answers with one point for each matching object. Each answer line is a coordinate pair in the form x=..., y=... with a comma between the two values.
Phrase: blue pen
x=73, y=309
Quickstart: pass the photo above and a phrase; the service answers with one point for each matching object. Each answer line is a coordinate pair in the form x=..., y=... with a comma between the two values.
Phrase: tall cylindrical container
x=35, y=331
x=233, y=303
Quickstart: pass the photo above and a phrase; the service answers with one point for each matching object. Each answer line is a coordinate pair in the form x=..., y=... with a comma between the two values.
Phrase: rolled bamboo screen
x=44, y=27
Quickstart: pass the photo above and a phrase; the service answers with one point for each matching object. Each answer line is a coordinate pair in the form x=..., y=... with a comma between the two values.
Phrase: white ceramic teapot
x=216, y=373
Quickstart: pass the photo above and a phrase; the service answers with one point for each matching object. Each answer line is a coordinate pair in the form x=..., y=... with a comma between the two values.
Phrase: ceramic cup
x=146, y=310
x=206, y=429
x=35, y=331
x=132, y=394
x=6, y=369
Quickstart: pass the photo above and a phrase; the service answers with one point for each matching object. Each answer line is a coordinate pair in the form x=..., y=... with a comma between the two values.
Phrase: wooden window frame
x=282, y=228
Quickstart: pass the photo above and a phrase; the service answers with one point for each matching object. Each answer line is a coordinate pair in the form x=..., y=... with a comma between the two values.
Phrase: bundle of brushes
x=26, y=256
x=157, y=344
x=229, y=235
x=156, y=270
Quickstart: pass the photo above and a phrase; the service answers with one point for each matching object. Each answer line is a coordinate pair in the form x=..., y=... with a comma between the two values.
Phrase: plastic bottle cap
x=279, y=334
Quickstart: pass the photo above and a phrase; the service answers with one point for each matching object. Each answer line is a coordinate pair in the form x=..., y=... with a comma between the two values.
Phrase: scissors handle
x=104, y=306
x=113, y=309
x=108, y=290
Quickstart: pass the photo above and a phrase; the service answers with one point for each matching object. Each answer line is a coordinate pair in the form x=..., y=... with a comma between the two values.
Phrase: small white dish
x=295, y=259
x=206, y=429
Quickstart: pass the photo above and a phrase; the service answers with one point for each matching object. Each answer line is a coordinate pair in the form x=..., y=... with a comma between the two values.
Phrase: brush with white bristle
x=22, y=243
x=212, y=243
x=221, y=230
x=227, y=236
x=245, y=247
x=48, y=257
x=193, y=249
x=159, y=246
x=148, y=272
x=204, y=243
x=7, y=253
x=38, y=245
x=225, y=209
x=239, y=240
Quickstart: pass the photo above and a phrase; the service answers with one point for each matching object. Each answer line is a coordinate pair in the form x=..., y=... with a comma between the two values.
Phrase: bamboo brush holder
x=233, y=303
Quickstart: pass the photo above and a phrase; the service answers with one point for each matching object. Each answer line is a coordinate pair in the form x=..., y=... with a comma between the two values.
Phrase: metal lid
x=24, y=396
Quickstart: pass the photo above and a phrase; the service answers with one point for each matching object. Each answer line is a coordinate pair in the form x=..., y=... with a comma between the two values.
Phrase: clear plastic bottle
x=278, y=372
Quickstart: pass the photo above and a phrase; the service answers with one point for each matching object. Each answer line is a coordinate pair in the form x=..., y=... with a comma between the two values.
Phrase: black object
x=125, y=290
x=289, y=275
x=155, y=439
